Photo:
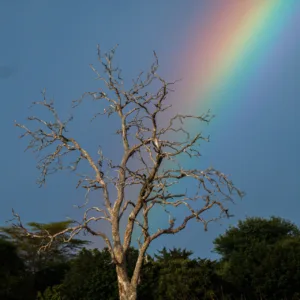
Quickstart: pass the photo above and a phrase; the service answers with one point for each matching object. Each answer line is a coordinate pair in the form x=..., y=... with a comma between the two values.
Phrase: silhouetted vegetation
x=259, y=259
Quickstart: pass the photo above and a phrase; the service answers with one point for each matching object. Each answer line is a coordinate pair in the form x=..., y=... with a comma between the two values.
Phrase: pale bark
x=146, y=144
x=127, y=291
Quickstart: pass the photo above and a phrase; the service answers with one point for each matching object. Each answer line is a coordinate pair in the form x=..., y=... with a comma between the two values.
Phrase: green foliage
x=174, y=275
x=252, y=230
x=42, y=269
x=165, y=255
x=51, y=293
x=280, y=270
x=28, y=247
x=92, y=276
x=14, y=282
x=10, y=261
x=261, y=257
x=50, y=274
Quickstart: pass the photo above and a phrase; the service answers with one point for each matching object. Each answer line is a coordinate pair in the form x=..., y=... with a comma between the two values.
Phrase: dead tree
x=153, y=145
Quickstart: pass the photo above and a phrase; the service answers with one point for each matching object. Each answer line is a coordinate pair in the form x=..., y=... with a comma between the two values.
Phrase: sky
x=239, y=59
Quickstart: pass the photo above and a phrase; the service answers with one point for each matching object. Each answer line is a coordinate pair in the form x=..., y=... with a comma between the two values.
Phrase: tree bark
x=127, y=291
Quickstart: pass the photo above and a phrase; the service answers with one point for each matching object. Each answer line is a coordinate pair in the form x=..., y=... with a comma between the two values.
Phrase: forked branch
x=153, y=147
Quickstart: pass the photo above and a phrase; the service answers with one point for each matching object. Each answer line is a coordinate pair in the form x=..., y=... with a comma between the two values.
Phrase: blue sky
x=51, y=43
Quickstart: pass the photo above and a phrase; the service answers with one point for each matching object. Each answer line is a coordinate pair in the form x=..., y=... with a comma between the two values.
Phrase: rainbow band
x=236, y=36
x=221, y=53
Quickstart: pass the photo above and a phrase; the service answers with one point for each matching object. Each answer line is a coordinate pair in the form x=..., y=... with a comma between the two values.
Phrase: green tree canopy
x=251, y=231
x=13, y=280
x=261, y=258
x=92, y=276
x=173, y=274
x=44, y=268
x=29, y=247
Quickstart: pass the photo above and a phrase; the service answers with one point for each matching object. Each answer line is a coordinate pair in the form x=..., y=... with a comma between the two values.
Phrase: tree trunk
x=126, y=290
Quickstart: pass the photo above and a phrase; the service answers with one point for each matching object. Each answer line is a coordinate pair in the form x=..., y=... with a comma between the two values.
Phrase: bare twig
x=150, y=147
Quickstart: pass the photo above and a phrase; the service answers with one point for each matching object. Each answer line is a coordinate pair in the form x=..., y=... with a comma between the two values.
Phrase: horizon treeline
x=259, y=259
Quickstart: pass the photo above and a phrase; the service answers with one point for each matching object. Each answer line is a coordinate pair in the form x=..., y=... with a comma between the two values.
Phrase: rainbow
x=235, y=39
x=222, y=48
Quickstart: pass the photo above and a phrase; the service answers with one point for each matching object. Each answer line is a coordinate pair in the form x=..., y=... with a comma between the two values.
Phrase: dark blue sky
x=51, y=43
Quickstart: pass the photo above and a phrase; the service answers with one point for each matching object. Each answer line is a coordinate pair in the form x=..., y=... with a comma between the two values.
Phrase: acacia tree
x=28, y=247
x=150, y=164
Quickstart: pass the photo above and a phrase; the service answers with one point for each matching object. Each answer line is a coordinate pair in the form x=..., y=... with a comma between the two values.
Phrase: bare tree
x=151, y=164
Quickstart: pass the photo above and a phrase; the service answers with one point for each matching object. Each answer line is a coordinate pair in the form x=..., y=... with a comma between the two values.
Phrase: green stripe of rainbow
x=236, y=36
